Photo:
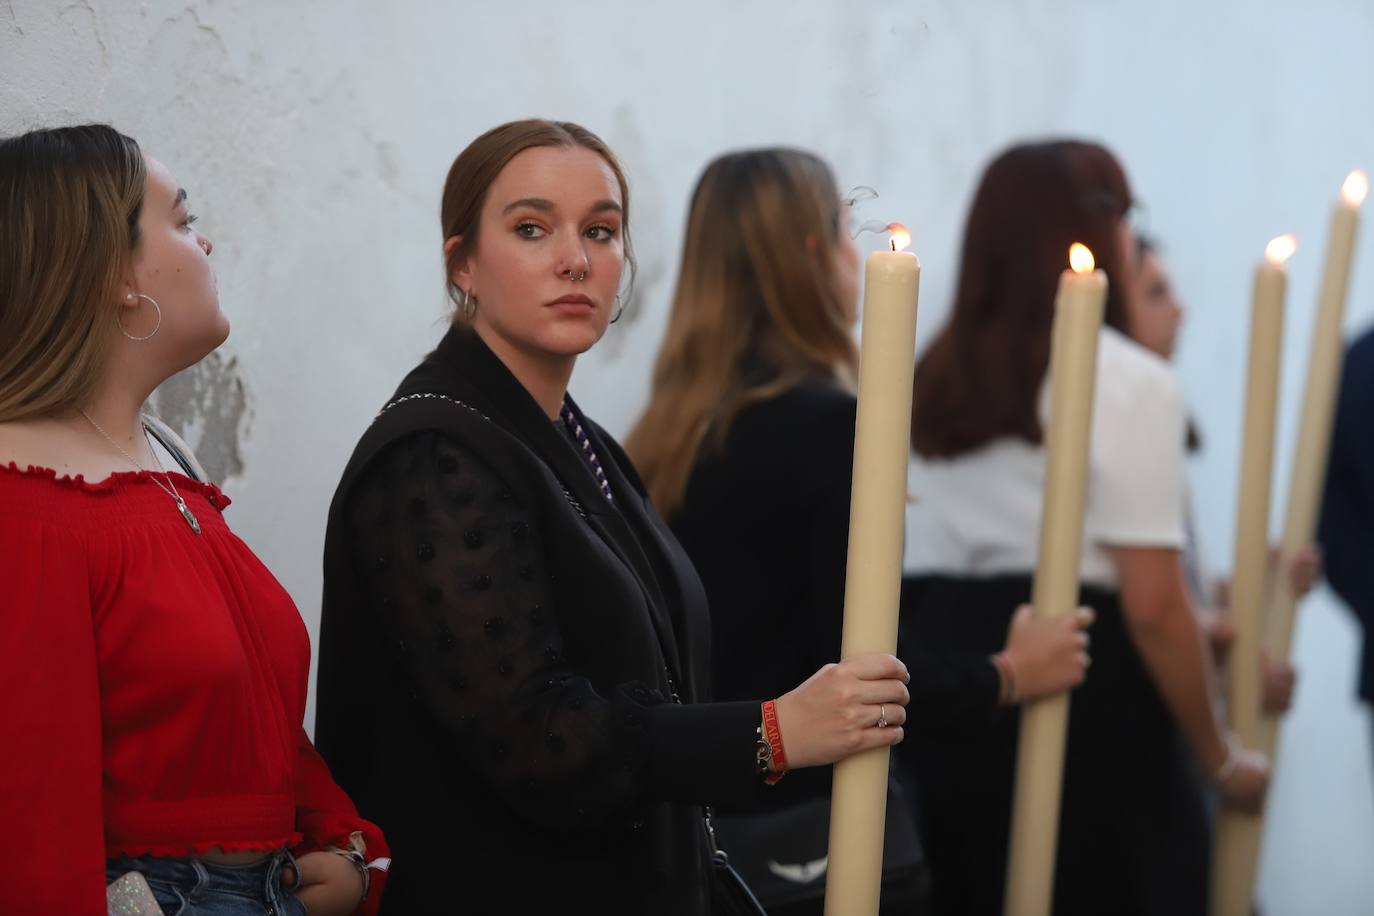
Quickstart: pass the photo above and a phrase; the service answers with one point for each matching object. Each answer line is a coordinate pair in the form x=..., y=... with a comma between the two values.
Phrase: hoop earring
x=467, y=307
x=157, y=308
x=619, y=310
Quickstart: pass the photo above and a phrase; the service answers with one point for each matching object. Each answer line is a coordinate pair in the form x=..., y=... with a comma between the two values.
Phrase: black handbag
x=782, y=855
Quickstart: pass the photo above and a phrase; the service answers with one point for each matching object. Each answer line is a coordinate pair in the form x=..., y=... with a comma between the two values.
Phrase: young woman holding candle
x=540, y=639
x=977, y=428
x=1154, y=317
x=133, y=616
x=747, y=446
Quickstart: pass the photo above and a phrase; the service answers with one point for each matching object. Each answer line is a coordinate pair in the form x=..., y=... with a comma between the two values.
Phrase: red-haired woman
x=977, y=429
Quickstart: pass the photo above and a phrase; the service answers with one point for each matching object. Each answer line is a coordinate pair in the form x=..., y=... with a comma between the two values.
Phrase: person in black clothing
x=747, y=446
x=1346, y=530
x=539, y=733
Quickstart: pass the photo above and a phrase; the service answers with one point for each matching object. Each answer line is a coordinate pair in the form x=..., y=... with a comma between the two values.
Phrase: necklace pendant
x=189, y=516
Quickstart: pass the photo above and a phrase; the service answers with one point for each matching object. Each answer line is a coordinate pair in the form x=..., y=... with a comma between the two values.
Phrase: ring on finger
x=882, y=715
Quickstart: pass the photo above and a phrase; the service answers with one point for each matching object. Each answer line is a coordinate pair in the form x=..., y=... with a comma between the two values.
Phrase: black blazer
x=777, y=492
x=499, y=647
x=1346, y=530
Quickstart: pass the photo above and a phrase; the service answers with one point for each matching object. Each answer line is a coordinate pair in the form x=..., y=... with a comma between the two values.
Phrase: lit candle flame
x=1081, y=258
x=900, y=236
x=1281, y=249
x=1355, y=188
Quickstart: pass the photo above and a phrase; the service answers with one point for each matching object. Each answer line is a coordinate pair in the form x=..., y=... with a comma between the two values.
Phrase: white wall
x=314, y=137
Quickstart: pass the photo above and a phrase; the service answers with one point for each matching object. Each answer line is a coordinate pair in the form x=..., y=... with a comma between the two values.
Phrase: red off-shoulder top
x=152, y=691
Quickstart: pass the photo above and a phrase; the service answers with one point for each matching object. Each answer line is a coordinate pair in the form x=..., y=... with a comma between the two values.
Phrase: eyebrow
x=181, y=198
x=540, y=203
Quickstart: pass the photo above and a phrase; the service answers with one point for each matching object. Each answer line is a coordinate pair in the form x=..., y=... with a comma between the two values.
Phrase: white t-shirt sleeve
x=1136, y=480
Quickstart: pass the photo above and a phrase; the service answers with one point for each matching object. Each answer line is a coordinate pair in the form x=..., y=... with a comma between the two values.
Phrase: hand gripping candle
x=1236, y=832
x=1044, y=723
x=887, y=358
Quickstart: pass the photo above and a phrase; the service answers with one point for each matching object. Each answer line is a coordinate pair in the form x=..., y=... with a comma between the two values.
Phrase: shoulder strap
x=429, y=395
x=435, y=396
x=176, y=447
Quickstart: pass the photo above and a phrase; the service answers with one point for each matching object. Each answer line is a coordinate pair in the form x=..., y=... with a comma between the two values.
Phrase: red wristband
x=777, y=757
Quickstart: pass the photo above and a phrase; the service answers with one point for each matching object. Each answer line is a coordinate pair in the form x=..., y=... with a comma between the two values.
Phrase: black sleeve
x=951, y=691
x=1346, y=529
x=453, y=561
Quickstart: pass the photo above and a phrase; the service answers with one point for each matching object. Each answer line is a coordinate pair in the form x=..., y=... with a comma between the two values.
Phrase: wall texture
x=314, y=137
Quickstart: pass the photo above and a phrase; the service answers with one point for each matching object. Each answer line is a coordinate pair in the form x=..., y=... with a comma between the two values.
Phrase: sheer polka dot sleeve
x=454, y=569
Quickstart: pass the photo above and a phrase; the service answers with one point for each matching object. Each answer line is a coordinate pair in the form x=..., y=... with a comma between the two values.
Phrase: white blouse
x=979, y=514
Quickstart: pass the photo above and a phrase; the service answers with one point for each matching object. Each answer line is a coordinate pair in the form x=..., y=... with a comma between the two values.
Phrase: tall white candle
x=1235, y=831
x=1310, y=456
x=1044, y=723
x=1318, y=407
x=874, y=574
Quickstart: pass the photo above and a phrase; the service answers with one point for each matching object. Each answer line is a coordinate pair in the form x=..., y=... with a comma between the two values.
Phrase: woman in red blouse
x=153, y=672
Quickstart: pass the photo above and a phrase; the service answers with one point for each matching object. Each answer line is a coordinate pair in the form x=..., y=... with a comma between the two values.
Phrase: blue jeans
x=192, y=887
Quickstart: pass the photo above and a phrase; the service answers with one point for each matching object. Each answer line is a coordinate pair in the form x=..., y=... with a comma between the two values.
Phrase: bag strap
x=430, y=395
x=176, y=447
x=436, y=396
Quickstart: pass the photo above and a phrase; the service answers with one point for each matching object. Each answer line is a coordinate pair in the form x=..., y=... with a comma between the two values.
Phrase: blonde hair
x=69, y=202
x=473, y=172
x=754, y=311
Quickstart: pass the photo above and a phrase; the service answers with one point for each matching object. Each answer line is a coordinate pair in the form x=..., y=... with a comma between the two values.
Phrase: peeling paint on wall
x=208, y=406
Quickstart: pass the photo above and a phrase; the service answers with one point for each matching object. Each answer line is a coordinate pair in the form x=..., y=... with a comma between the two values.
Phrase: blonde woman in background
x=747, y=446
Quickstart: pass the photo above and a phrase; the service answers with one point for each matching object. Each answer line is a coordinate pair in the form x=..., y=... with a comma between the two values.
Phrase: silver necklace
x=169, y=488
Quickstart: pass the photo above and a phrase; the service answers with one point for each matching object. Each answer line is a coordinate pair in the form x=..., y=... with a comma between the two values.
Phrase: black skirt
x=1133, y=835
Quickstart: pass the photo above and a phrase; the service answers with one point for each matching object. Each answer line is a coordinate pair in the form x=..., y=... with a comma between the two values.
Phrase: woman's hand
x=1220, y=632
x=330, y=884
x=1277, y=679
x=1277, y=676
x=1245, y=785
x=1047, y=655
x=835, y=712
x=1305, y=570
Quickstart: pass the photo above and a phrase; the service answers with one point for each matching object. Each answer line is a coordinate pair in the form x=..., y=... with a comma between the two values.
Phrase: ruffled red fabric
x=120, y=481
x=152, y=689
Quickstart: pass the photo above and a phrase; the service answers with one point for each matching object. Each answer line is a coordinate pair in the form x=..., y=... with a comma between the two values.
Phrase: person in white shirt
x=1133, y=832
x=1154, y=317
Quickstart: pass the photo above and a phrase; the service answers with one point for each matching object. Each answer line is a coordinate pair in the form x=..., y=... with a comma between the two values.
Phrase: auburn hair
x=980, y=378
